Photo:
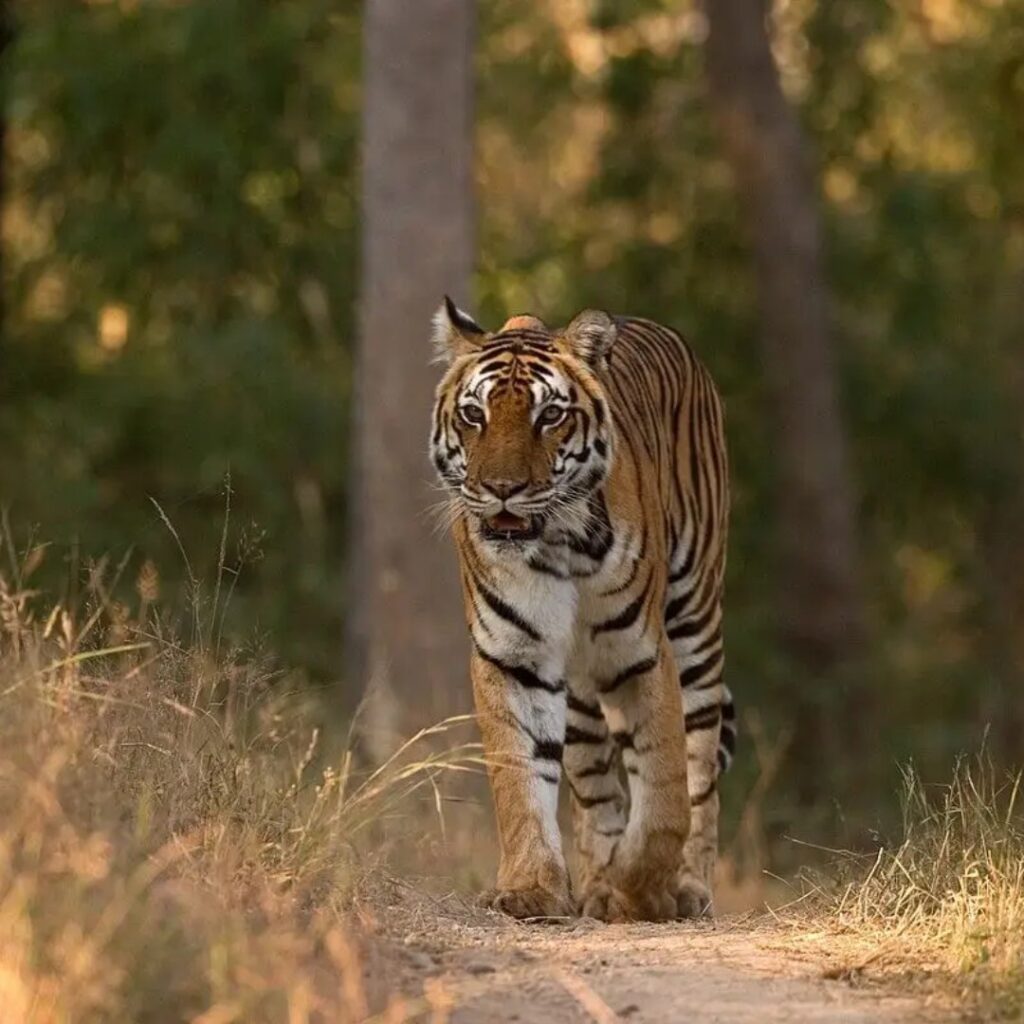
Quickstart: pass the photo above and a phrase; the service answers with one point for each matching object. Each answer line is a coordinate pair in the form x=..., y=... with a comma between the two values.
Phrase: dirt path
x=737, y=970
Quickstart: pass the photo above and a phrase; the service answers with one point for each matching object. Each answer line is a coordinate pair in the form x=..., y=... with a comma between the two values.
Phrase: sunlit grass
x=179, y=842
x=176, y=840
x=950, y=895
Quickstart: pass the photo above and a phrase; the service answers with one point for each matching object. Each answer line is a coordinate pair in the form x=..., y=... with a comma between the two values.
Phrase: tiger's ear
x=591, y=335
x=455, y=333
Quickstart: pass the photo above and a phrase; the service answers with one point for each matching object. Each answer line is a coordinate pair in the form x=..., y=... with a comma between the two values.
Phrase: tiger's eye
x=472, y=414
x=551, y=416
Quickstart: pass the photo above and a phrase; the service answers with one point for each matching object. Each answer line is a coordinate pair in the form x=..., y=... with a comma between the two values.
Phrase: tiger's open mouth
x=508, y=526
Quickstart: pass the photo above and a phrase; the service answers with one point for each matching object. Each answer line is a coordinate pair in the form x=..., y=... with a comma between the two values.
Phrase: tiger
x=586, y=472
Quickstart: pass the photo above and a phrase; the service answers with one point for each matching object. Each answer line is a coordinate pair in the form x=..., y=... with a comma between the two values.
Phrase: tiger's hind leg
x=635, y=688
x=699, y=657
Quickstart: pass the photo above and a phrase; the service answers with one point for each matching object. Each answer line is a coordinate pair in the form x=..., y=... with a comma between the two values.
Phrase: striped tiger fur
x=589, y=495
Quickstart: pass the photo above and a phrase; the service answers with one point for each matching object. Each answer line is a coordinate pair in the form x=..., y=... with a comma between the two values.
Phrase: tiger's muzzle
x=506, y=511
x=508, y=526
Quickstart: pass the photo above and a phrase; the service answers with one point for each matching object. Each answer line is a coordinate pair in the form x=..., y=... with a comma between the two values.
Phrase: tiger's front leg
x=591, y=762
x=522, y=720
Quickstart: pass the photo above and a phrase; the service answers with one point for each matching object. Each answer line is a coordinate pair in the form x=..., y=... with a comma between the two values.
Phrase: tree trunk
x=821, y=615
x=6, y=38
x=1002, y=556
x=408, y=636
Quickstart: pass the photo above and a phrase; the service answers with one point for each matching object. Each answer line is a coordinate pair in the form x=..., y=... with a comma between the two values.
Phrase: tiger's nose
x=504, y=489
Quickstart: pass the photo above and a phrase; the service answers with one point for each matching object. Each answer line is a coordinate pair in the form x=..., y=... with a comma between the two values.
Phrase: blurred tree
x=6, y=37
x=418, y=244
x=820, y=611
x=1003, y=558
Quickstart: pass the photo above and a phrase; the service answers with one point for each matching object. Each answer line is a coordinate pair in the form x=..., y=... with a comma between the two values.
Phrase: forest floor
x=478, y=967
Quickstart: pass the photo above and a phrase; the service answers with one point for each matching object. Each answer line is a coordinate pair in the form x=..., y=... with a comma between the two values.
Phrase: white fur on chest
x=548, y=603
x=565, y=610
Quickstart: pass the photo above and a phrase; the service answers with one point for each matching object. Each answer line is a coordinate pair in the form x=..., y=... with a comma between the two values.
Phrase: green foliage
x=180, y=275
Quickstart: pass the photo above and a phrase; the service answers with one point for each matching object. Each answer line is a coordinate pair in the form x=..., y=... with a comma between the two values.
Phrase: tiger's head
x=521, y=430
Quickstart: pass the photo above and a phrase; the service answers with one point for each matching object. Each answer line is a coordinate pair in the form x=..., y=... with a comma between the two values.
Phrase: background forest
x=202, y=277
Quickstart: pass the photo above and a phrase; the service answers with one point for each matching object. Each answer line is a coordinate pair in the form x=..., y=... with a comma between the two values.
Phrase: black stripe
x=624, y=739
x=705, y=718
x=492, y=364
x=676, y=605
x=706, y=648
x=692, y=627
x=638, y=668
x=626, y=617
x=583, y=708
x=696, y=673
x=599, y=767
x=710, y=433
x=504, y=610
x=537, y=368
x=695, y=464
x=548, y=570
x=682, y=505
x=727, y=738
x=521, y=674
x=574, y=735
x=599, y=538
x=547, y=750
x=698, y=594
x=479, y=617
x=696, y=801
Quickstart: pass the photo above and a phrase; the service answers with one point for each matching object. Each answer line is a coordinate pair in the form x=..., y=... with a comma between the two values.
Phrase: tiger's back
x=668, y=410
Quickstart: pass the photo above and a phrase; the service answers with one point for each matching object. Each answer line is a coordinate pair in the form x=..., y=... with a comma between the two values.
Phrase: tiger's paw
x=608, y=903
x=693, y=899
x=528, y=903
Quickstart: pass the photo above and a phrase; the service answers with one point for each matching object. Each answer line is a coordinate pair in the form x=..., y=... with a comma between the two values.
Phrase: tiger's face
x=521, y=432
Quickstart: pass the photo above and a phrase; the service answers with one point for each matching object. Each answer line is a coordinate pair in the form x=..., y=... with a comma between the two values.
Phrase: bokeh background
x=206, y=276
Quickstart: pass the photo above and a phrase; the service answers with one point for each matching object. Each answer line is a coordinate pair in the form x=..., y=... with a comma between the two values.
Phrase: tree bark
x=408, y=637
x=820, y=608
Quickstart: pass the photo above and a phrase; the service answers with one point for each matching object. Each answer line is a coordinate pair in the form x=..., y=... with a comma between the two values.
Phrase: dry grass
x=174, y=844
x=177, y=845
x=950, y=896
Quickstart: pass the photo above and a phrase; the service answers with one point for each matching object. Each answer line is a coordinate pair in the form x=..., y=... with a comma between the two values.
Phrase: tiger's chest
x=572, y=605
